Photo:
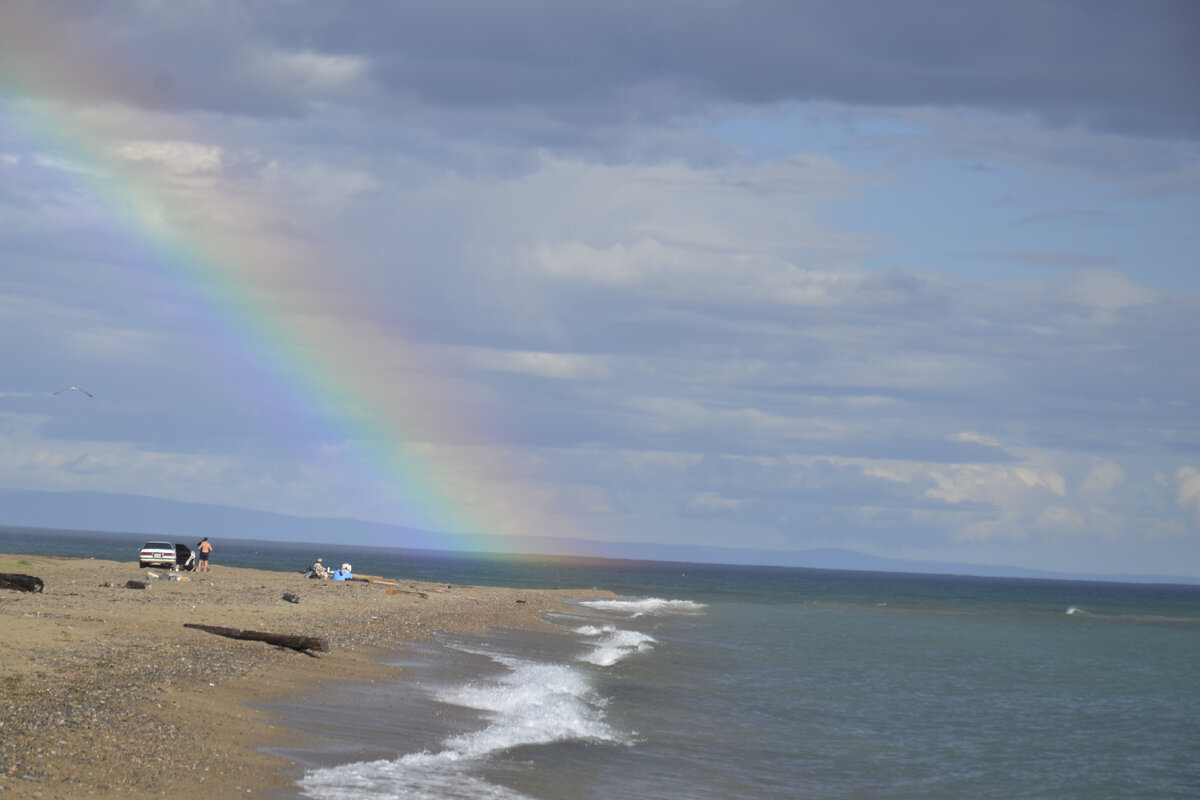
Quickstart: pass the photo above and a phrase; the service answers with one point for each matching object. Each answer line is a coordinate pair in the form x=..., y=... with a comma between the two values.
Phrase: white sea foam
x=420, y=776
x=534, y=703
x=613, y=645
x=648, y=605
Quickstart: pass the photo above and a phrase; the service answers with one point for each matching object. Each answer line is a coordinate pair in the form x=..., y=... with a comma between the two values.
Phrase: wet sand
x=105, y=693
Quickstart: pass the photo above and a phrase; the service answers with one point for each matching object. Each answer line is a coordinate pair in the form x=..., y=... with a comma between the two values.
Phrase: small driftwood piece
x=21, y=583
x=136, y=585
x=421, y=595
x=301, y=643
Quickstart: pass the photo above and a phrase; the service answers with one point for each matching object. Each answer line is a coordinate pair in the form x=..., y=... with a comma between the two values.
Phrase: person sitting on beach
x=344, y=574
x=318, y=570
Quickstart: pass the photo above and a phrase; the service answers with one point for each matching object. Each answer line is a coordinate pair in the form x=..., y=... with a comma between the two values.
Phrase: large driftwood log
x=21, y=583
x=302, y=643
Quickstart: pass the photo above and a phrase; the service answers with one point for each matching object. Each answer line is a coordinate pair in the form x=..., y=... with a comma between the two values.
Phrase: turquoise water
x=719, y=682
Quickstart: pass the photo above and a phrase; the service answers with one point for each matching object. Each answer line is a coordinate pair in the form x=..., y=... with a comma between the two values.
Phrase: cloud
x=1139, y=167
x=1048, y=259
x=562, y=366
x=314, y=74
x=1188, y=497
x=524, y=232
x=1103, y=477
x=1055, y=214
x=586, y=66
x=966, y=483
x=1061, y=518
x=179, y=157
x=975, y=438
x=711, y=501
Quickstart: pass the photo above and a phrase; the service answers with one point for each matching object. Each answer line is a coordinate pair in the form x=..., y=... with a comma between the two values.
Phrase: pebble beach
x=104, y=692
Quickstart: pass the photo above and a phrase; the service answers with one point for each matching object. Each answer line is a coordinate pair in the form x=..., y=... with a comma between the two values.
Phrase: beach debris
x=136, y=585
x=375, y=579
x=300, y=643
x=20, y=582
x=421, y=595
x=291, y=598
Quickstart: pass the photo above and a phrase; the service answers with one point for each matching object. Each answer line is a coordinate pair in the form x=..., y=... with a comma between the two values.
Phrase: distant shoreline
x=104, y=693
x=828, y=558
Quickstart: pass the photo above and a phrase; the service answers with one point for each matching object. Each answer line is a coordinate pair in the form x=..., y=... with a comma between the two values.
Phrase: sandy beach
x=105, y=693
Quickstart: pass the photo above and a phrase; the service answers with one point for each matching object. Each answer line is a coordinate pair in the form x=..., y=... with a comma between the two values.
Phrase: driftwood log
x=301, y=643
x=21, y=583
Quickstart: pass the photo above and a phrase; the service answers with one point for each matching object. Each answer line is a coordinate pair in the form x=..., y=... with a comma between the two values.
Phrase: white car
x=157, y=554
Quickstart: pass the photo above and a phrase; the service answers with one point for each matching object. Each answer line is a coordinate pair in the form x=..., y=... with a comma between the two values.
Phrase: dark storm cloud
x=1109, y=64
x=1128, y=67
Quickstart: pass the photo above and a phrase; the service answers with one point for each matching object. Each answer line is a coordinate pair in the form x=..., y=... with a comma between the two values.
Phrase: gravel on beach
x=105, y=693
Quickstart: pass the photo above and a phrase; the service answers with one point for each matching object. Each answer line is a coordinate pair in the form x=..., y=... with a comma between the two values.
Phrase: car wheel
x=142, y=564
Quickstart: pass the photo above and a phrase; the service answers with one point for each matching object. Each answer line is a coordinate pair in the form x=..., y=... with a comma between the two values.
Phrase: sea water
x=705, y=681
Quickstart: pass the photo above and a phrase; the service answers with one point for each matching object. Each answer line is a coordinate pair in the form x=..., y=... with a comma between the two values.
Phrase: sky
x=914, y=279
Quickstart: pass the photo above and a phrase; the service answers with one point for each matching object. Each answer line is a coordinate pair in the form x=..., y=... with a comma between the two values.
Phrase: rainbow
x=396, y=428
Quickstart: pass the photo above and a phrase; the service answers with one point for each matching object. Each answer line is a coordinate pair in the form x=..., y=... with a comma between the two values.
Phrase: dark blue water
x=711, y=681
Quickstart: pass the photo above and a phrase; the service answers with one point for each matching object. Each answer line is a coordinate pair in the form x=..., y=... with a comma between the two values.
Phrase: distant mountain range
x=149, y=516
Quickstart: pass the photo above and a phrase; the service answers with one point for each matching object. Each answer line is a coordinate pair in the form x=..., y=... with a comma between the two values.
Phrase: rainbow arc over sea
x=413, y=453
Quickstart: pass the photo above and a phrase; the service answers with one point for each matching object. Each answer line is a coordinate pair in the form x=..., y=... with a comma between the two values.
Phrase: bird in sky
x=74, y=389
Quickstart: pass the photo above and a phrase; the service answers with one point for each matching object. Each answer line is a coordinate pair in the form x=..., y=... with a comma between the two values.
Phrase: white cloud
x=710, y=230
x=66, y=164
x=1103, y=477
x=891, y=472
x=1061, y=518
x=682, y=414
x=989, y=483
x=1019, y=497
x=1039, y=478
x=1187, y=479
x=974, y=438
x=685, y=271
x=564, y=366
x=618, y=265
x=310, y=73
x=181, y=158
x=712, y=501
x=1103, y=290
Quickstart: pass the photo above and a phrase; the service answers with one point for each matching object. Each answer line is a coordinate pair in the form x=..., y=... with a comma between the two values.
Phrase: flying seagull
x=73, y=389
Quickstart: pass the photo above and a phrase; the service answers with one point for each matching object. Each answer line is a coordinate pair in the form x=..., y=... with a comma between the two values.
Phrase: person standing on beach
x=204, y=548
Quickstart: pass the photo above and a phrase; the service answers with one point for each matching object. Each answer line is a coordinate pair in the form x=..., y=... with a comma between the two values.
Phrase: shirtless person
x=204, y=548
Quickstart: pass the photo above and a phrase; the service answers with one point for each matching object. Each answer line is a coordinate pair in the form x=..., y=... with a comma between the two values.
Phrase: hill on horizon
x=156, y=517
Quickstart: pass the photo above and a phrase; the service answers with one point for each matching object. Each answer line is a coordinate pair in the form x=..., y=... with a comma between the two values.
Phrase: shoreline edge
x=105, y=693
